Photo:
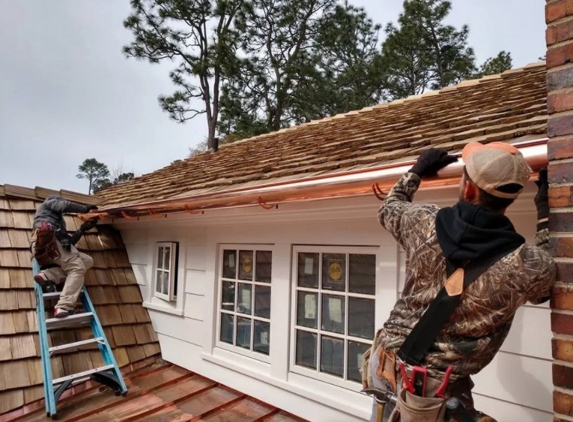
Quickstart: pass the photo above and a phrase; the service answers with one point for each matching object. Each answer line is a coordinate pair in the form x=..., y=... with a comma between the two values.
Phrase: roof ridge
x=41, y=193
x=446, y=90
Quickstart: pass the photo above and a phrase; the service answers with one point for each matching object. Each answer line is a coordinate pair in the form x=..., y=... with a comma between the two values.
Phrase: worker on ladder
x=467, y=273
x=53, y=248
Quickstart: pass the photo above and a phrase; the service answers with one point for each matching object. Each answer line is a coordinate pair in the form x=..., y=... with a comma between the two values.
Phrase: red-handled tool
x=442, y=388
x=405, y=379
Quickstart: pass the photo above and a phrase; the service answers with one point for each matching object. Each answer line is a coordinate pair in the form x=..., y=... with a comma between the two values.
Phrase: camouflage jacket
x=479, y=325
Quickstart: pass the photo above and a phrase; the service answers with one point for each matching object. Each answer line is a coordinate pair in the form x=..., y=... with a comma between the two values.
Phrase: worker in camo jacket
x=54, y=250
x=467, y=273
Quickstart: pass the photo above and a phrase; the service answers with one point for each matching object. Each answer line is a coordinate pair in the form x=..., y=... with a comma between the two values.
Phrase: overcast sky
x=67, y=93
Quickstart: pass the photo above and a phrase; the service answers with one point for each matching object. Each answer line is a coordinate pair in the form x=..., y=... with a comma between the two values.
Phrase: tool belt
x=414, y=398
x=44, y=246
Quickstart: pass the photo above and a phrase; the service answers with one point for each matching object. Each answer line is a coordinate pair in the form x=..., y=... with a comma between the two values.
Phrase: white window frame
x=220, y=279
x=321, y=250
x=171, y=295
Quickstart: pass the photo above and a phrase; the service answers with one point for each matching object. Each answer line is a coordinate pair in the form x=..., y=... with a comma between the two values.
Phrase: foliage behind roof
x=494, y=108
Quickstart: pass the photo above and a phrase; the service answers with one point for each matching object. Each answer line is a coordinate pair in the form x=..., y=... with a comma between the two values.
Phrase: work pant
x=71, y=271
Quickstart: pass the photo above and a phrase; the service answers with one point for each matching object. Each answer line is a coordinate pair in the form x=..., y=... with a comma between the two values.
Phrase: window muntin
x=245, y=299
x=166, y=270
x=334, y=314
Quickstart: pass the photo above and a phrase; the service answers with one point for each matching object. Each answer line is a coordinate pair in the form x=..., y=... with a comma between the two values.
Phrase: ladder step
x=70, y=321
x=52, y=295
x=74, y=345
x=84, y=374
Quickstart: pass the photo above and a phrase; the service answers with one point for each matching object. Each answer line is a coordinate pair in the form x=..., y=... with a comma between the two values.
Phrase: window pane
x=355, y=359
x=307, y=309
x=333, y=313
x=160, y=257
x=262, y=337
x=263, y=301
x=244, y=332
x=227, y=323
x=332, y=356
x=244, y=298
x=229, y=264
x=264, y=266
x=228, y=296
x=166, y=258
x=361, y=317
x=165, y=276
x=158, y=282
x=306, y=349
x=308, y=270
x=362, y=274
x=333, y=271
x=246, y=265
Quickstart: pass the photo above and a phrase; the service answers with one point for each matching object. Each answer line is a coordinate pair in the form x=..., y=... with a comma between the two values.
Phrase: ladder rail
x=104, y=347
x=49, y=397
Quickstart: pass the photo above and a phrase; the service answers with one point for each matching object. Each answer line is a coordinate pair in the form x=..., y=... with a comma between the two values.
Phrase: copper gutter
x=351, y=183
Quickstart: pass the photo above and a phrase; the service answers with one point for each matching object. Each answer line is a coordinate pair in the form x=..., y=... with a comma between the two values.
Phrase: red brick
x=559, y=32
x=558, y=101
x=561, y=196
x=564, y=271
x=562, y=324
x=560, y=125
x=562, y=298
x=562, y=349
x=559, y=55
x=560, y=148
x=562, y=403
x=562, y=376
x=562, y=246
x=559, y=79
x=560, y=172
x=561, y=222
x=558, y=9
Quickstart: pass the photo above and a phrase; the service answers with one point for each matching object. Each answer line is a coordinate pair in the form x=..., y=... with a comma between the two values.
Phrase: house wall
x=559, y=37
x=516, y=386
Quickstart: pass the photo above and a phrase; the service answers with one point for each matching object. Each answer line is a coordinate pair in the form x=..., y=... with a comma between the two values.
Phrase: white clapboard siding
x=194, y=306
x=138, y=254
x=510, y=412
x=517, y=379
x=196, y=282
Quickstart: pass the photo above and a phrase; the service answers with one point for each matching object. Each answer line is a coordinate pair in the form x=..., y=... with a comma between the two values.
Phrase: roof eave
x=352, y=183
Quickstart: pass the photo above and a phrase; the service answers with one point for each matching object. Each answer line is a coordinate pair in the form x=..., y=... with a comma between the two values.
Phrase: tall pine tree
x=422, y=52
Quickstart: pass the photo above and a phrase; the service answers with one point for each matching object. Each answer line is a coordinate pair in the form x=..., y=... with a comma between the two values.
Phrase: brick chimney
x=559, y=38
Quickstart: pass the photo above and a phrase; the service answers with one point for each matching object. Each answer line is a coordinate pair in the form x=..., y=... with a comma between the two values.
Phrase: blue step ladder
x=109, y=374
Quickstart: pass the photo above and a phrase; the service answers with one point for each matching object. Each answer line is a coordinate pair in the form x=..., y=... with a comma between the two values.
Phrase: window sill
x=164, y=309
x=346, y=401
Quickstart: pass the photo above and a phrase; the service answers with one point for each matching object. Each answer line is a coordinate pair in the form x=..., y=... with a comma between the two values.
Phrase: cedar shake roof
x=495, y=108
x=159, y=391
x=111, y=285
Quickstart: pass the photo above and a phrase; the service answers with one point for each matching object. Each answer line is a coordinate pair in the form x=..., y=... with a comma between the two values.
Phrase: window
x=334, y=311
x=166, y=271
x=245, y=300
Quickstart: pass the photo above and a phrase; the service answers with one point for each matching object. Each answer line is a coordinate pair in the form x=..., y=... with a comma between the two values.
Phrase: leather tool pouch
x=45, y=249
x=412, y=408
